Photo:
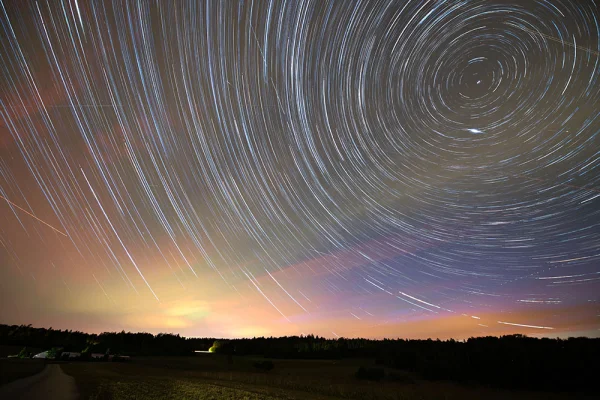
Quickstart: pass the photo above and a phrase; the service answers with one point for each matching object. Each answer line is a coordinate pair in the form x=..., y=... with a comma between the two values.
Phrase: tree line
x=512, y=361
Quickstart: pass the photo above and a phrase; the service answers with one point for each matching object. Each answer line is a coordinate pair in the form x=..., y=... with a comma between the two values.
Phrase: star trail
x=369, y=168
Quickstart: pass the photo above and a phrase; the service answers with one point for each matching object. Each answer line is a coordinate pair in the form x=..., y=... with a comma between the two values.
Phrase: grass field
x=105, y=381
x=182, y=389
x=213, y=377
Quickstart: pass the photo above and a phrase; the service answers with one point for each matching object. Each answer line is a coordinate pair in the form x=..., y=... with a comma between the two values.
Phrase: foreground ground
x=216, y=377
x=12, y=369
x=49, y=384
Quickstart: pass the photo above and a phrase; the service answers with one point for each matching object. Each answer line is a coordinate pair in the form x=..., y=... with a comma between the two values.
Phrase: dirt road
x=50, y=384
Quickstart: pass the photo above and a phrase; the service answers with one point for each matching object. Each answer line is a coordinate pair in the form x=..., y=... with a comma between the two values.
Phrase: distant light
x=473, y=130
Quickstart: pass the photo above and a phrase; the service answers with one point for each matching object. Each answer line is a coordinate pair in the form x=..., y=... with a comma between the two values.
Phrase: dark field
x=210, y=376
x=12, y=369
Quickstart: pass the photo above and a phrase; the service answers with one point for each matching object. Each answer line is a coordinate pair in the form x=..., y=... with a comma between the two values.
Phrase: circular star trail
x=374, y=162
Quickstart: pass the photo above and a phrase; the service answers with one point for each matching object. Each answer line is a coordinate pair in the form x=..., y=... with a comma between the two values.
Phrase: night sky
x=343, y=168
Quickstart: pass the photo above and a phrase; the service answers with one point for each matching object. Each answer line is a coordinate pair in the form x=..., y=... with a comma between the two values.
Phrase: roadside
x=50, y=384
x=12, y=369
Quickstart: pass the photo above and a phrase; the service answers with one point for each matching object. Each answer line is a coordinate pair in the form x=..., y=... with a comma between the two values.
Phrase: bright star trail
x=369, y=168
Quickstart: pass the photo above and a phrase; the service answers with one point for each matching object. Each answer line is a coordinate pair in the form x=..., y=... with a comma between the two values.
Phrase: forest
x=512, y=361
